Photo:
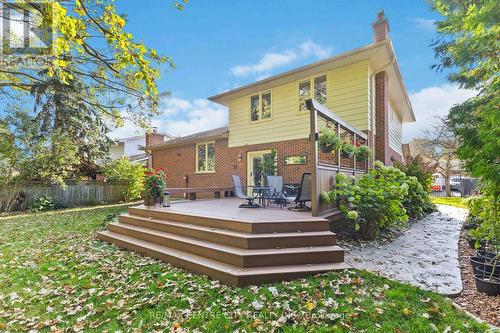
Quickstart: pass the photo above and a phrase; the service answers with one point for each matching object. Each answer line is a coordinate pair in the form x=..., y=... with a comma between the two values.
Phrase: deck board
x=228, y=209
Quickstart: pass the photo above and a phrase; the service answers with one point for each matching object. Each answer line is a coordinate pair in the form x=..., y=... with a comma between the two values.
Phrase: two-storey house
x=364, y=87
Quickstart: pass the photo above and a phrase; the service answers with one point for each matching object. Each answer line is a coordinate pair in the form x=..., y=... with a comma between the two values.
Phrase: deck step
x=233, y=255
x=227, y=273
x=210, y=219
x=234, y=238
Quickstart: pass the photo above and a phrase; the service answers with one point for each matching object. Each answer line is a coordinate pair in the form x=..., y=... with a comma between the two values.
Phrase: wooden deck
x=235, y=245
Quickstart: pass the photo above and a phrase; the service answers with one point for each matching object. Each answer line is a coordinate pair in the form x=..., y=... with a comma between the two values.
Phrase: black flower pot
x=486, y=254
x=484, y=265
x=326, y=148
x=472, y=243
x=489, y=286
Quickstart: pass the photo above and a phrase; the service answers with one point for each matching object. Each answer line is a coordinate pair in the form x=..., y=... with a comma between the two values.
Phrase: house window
x=260, y=106
x=319, y=85
x=304, y=94
x=205, y=157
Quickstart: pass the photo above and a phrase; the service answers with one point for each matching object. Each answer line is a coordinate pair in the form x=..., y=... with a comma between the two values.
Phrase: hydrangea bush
x=383, y=197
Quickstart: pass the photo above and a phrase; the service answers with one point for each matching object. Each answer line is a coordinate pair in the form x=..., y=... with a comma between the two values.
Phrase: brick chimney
x=380, y=27
x=154, y=138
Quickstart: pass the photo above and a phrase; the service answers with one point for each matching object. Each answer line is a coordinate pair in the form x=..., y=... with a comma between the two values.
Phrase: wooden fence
x=20, y=196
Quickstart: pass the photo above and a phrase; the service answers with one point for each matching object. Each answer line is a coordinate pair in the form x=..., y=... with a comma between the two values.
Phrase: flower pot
x=472, y=243
x=157, y=201
x=326, y=148
x=489, y=286
x=486, y=254
x=484, y=265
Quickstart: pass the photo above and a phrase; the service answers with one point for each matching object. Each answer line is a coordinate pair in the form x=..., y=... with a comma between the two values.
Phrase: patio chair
x=303, y=194
x=238, y=192
x=277, y=190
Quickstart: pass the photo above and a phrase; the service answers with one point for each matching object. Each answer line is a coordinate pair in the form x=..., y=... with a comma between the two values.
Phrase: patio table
x=261, y=192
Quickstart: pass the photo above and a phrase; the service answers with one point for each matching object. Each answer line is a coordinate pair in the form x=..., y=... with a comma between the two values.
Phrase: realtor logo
x=26, y=28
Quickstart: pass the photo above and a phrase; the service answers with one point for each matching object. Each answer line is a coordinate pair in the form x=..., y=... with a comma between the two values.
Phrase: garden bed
x=485, y=307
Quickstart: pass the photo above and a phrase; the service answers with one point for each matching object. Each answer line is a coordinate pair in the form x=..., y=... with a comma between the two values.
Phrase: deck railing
x=326, y=165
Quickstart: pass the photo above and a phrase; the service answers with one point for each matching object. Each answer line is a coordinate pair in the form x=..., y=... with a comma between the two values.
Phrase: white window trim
x=206, y=157
x=310, y=79
x=260, y=107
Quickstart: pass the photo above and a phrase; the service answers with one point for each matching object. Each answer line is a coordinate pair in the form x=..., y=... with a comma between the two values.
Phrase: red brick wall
x=180, y=161
x=382, y=150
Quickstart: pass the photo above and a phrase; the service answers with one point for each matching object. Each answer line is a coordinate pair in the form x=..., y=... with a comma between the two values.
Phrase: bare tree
x=440, y=145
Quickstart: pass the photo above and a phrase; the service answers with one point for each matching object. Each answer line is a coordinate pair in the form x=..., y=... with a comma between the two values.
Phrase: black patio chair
x=303, y=194
x=238, y=192
x=277, y=190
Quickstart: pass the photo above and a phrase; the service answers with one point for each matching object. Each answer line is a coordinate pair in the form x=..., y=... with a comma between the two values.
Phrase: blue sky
x=219, y=45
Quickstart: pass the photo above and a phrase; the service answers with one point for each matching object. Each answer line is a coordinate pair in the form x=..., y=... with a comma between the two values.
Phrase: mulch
x=485, y=307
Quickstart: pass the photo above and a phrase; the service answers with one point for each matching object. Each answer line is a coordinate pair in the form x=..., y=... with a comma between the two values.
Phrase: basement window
x=205, y=157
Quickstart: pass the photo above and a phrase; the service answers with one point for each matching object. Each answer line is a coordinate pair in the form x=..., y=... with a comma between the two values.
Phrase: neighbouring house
x=416, y=148
x=133, y=147
x=363, y=87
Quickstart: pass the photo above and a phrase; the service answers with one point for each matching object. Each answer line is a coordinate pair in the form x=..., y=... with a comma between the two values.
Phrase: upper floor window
x=205, y=157
x=318, y=93
x=260, y=106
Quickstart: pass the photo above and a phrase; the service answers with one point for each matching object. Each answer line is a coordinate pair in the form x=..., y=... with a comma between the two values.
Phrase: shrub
x=416, y=167
x=375, y=201
x=124, y=171
x=44, y=203
x=417, y=202
x=383, y=197
x=484, y=210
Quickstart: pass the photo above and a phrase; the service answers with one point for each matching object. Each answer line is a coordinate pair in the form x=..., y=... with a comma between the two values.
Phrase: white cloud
x=426, y=24
x=180, y=117
x=271, y=60
x=431, y=102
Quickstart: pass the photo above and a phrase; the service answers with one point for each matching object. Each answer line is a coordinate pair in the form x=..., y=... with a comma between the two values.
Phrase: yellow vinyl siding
x=347, y=96
x=395, y=130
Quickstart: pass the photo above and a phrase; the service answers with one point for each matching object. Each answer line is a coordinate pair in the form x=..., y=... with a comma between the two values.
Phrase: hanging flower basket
x=328, y=140
x=347, y=150
x=362, y=153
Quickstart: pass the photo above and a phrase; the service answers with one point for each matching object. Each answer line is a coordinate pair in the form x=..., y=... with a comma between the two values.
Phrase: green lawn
x=451, y=201
x=55, y=275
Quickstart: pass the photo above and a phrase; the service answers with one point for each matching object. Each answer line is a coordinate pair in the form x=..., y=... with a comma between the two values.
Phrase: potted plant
x=155, y=184
x=328, y=140
x=347, y=149
x=362, y=153
x=484, y=210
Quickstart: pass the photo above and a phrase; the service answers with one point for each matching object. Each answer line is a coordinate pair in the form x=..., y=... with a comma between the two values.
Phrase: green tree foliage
x=8, y=153
x=96, y=74
x=54, y=162
x=124, y=171
x=468, y=45
x=417, y=167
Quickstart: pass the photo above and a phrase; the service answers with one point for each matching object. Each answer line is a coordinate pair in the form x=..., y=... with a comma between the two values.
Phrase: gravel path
x=426, y=255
